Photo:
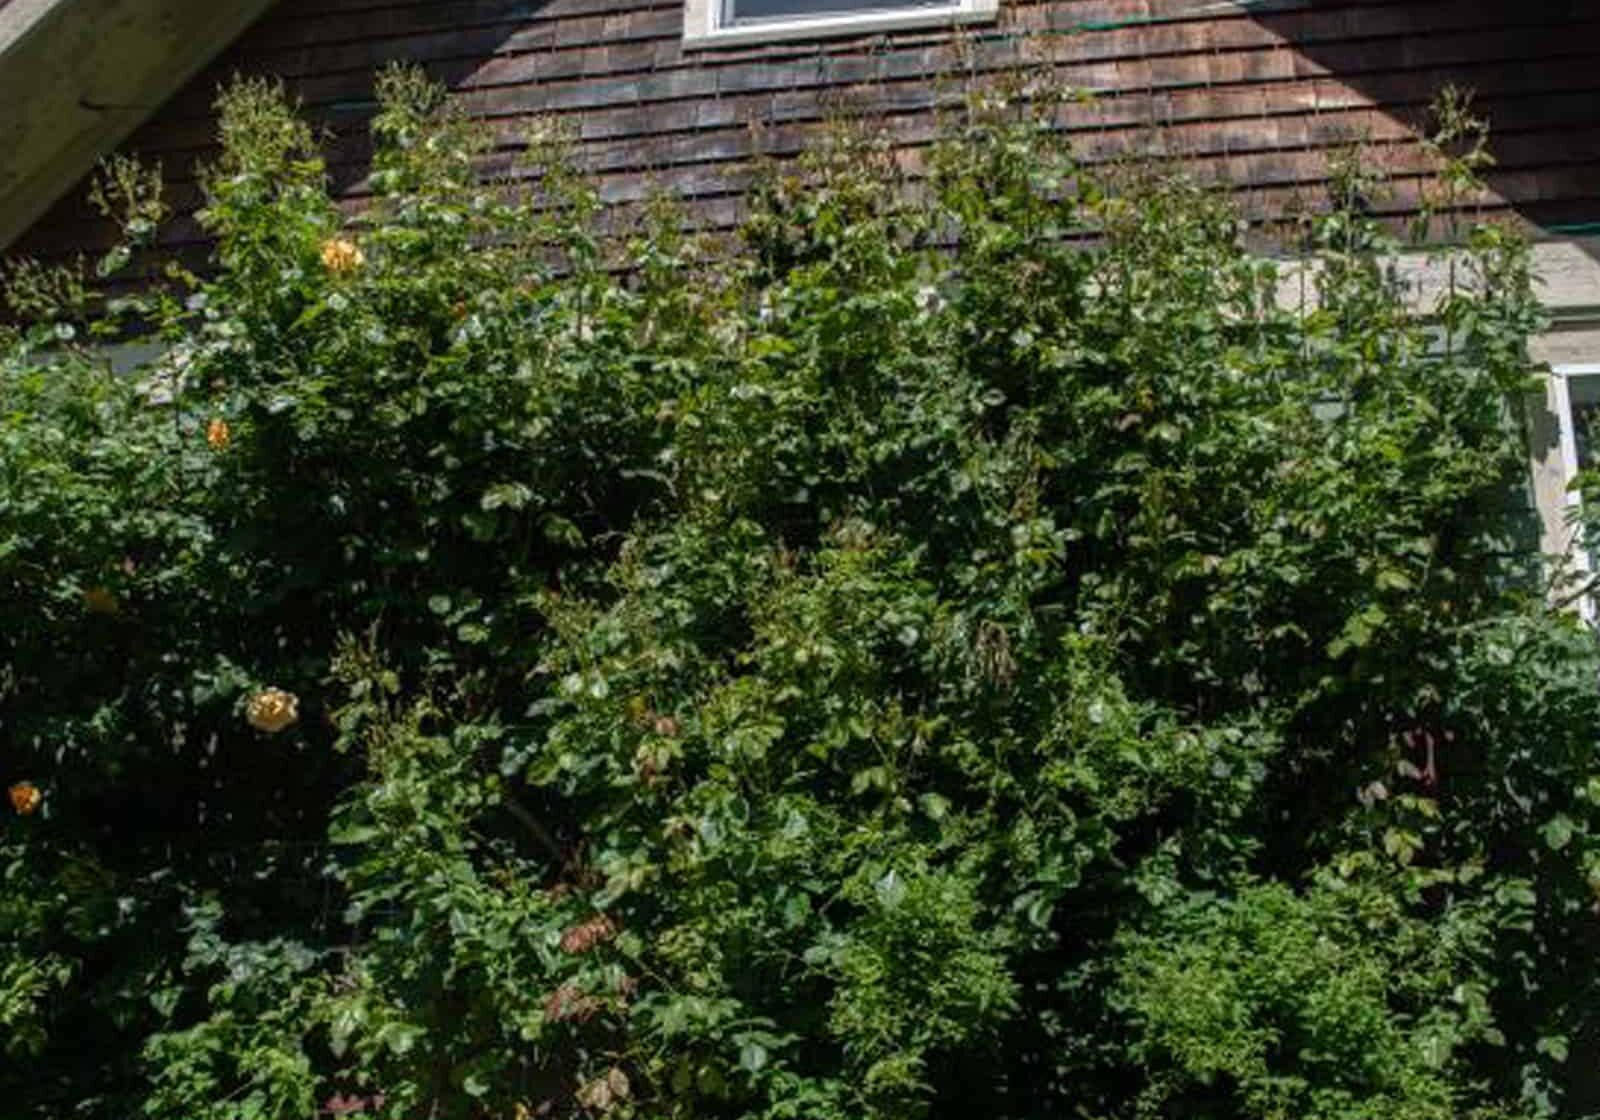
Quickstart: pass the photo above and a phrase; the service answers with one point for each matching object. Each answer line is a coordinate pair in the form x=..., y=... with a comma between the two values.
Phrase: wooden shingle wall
x=1253, y=94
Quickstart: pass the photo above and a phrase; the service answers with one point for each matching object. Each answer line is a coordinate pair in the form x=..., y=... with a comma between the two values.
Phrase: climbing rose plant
x=988, y=645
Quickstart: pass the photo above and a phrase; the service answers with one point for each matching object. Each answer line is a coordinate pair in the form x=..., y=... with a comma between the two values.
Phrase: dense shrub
x=975, y=649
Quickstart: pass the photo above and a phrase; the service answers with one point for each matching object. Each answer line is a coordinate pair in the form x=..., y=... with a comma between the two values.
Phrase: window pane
x=743, y=11
x=1584, y=393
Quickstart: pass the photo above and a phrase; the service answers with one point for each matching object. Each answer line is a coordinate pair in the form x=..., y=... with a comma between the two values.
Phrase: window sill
x=700, y=31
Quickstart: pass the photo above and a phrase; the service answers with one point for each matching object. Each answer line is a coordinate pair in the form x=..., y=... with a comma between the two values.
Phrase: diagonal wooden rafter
x=78, y=76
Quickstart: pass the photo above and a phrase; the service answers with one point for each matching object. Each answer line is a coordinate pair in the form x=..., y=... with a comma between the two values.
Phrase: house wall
x=1253, y=93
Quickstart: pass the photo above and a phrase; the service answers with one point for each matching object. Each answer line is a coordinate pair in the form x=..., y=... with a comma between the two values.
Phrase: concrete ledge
x=1568, y=274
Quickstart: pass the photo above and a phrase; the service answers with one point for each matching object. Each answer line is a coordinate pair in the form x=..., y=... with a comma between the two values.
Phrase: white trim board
x=703, y=27
x=1561, y=461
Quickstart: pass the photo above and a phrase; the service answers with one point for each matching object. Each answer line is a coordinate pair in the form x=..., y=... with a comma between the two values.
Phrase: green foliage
x=1339, y=1002
x=971, y=648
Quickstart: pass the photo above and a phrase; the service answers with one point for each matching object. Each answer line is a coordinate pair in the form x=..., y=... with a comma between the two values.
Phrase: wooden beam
x=78, y=76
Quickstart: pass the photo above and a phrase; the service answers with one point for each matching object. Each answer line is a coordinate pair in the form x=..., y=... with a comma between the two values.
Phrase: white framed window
x=716, y=23
x=1575, y=399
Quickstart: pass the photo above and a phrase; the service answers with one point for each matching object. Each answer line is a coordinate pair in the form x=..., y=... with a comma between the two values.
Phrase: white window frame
x=703, y=26
x=1561, y=400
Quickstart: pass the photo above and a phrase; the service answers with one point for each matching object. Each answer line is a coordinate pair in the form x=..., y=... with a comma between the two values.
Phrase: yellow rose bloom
x=218, y=434
x=273, y=710
x=25, y=798
x=341, y=255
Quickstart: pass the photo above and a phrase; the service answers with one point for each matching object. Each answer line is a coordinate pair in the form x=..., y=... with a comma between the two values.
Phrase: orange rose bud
x=218, y=434
x=25, y=798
